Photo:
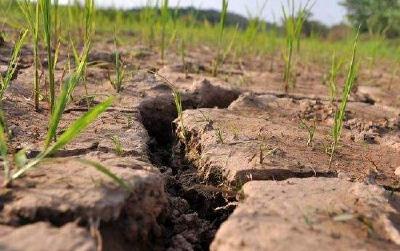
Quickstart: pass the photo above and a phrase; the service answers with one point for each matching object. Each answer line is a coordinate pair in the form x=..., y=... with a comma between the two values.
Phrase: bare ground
x=187, y=177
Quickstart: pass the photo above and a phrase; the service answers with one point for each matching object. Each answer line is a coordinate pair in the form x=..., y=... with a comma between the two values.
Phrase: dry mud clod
x=312, y=214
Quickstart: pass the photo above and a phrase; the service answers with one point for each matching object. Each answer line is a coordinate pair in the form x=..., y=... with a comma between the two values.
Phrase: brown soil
x=239, y=127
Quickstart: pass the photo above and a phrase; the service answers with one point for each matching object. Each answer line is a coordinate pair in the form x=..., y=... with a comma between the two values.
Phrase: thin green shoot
x=12, y=66
x=340, y=113
x=222, y=23
x=32, y=18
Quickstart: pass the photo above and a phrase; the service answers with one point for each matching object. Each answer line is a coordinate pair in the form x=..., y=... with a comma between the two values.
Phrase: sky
x=326, y=11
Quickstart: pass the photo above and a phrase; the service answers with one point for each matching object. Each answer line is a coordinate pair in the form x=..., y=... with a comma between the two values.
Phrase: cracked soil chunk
x=42, y=236
x=63, y=190
x=261, y=138
x=312, y=214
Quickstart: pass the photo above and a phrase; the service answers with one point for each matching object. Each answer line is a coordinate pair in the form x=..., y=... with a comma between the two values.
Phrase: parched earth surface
x=237, y=171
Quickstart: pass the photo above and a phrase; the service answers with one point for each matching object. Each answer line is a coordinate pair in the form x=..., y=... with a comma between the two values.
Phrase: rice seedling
x=340, y=113
x=222, y=23
x=335, y=69
x=71, y=133
x=56, y=38
x=117, y=145
x=89, y=20
x=165, y=16
x=32, y=18
x=293, y=23
x=255, y=24
x=148, y=17
x=65, y=96
x=47, y=23
x=311, y=129
x=219, y=135
x=13, y=64
x=174, y=18
x=119, y=69
x=177, y=100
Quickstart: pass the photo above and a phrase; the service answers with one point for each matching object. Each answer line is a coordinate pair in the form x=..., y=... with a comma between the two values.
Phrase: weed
x=340, y=112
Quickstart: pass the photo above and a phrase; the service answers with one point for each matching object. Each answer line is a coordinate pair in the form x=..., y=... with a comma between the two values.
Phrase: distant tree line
x=381, y=17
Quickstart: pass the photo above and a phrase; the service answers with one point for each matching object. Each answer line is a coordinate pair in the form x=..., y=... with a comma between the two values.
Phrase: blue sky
x=327, y=11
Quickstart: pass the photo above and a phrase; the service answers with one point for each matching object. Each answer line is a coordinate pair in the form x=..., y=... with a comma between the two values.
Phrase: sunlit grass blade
x=71, y=133
x=104, y=170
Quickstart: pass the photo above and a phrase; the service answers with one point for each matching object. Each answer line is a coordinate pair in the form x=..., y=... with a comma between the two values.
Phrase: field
x=153, y=130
